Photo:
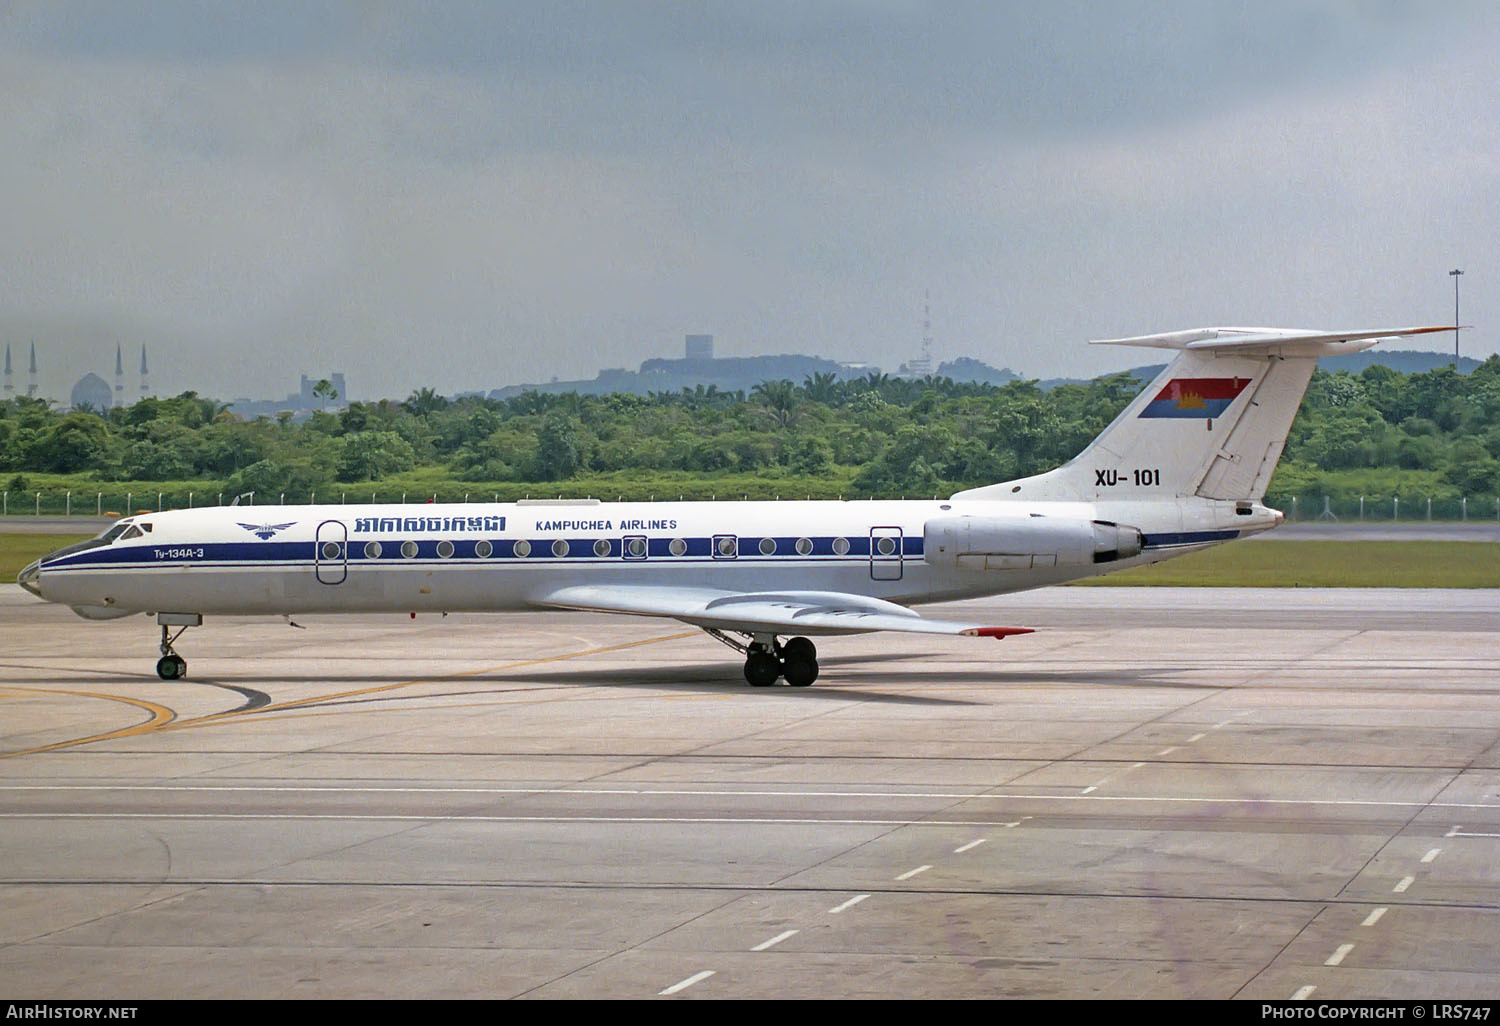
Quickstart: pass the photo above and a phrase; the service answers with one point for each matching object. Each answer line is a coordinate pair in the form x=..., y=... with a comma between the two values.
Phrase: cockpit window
x=115, y=531
x=132, y=532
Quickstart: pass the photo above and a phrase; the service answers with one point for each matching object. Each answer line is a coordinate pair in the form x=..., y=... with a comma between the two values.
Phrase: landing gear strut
x=172, y=666
x=767, y=660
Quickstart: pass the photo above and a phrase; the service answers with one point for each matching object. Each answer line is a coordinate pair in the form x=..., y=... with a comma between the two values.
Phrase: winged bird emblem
x=265, y=531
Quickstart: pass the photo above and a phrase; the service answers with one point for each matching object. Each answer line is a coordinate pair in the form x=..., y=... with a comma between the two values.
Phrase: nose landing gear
x=172, y=666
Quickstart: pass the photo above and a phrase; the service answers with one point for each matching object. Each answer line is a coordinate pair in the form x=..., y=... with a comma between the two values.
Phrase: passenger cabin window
x=372, y=550
x=804, y=546
x=560, y=547
x=768, y=546
x=841, y=546
x=726, y=546
x=601, y=547
x=635, y=548
x=483, y=549
x=445, y=549
x=409, y=549
x=678, y=547
x=522, y=549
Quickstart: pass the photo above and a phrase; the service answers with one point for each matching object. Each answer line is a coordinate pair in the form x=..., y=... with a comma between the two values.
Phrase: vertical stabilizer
x=1212, y=425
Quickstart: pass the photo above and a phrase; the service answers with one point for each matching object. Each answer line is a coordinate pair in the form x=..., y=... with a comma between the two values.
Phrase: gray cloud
x=470, y=195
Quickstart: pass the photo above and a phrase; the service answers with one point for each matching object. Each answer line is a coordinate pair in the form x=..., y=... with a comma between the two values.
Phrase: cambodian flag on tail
x=1200, y=398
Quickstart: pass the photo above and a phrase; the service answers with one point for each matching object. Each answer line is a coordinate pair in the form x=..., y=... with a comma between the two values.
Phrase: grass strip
x=1322, y=564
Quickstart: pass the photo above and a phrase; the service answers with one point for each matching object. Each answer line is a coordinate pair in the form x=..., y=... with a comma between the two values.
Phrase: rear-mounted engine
x=1017, y=543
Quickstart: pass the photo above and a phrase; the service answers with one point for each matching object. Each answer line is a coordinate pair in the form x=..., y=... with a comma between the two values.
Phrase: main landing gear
x=172, y=666
x=767, y=660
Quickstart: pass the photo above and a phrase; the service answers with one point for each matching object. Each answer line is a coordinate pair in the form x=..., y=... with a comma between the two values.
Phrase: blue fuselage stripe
x=360, y=552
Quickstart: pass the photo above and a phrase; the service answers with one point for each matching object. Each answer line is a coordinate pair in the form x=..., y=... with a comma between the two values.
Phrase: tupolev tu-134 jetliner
x=1185, y=466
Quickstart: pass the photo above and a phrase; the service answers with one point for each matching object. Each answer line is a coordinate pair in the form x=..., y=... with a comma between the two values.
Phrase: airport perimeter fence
x=1406, y=508
x=74, y=503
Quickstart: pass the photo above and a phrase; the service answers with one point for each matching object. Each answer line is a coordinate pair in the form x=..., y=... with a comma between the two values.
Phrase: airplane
x=1183, y=467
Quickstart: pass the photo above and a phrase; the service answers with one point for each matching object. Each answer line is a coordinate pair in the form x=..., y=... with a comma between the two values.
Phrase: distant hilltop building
x=700, y=347
x=699, y=367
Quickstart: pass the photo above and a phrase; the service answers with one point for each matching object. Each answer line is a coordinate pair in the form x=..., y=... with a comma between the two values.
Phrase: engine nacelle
x=1021, y=543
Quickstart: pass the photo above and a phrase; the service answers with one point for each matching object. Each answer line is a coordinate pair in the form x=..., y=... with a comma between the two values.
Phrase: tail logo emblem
x=1195, y=398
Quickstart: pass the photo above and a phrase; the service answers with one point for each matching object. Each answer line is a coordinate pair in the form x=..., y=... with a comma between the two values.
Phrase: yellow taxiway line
x=163, y=718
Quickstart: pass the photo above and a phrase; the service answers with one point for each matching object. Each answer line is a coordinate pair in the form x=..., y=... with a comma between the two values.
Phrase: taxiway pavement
x=1164, y=793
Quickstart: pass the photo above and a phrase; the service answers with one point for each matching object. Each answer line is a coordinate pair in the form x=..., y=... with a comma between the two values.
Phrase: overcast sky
x=470, y=195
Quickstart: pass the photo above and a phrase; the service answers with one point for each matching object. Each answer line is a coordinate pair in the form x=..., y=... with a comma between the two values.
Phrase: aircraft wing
x=793, y=612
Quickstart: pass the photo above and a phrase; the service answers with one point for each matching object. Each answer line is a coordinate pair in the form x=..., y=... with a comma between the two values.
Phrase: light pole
x=1454, y=274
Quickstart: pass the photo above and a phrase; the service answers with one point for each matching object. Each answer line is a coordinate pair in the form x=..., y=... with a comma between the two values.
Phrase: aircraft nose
x=31, y=578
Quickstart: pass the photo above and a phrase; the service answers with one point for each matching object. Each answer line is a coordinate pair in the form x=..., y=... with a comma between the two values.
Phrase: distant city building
x=92, y=392
x=700, y=347
x=300, y=403
x=311, y=402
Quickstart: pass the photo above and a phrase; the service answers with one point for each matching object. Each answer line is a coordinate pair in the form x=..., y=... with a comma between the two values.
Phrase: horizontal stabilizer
x=1257, y=340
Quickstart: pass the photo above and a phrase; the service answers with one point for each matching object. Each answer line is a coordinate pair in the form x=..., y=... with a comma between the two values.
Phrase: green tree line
x=1378, y=432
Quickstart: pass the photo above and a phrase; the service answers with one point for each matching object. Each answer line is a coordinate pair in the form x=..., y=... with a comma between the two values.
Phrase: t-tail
x=1211, y=426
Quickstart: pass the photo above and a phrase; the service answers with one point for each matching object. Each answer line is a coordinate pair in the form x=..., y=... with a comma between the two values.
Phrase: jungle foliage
x=1377, y=432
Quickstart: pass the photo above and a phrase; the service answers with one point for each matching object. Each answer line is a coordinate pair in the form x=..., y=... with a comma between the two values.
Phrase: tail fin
x=1212, y=425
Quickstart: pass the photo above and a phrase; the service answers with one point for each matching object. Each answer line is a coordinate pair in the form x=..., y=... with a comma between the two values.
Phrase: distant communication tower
x=119, y=376
x=10, y=388
x=31, y=385
x=143, y=371
x=921, y=368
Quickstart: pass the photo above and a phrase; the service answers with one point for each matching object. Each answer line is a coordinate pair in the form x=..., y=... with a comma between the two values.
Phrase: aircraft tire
x=799, y=649
x=800, y=673
x=171, y=667
x=762, y=669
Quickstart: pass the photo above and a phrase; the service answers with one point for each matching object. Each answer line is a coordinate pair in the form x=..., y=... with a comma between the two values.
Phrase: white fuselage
x=247, y=560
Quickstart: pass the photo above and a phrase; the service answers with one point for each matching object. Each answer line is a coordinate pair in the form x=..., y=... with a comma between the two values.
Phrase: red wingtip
x=997, y=632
